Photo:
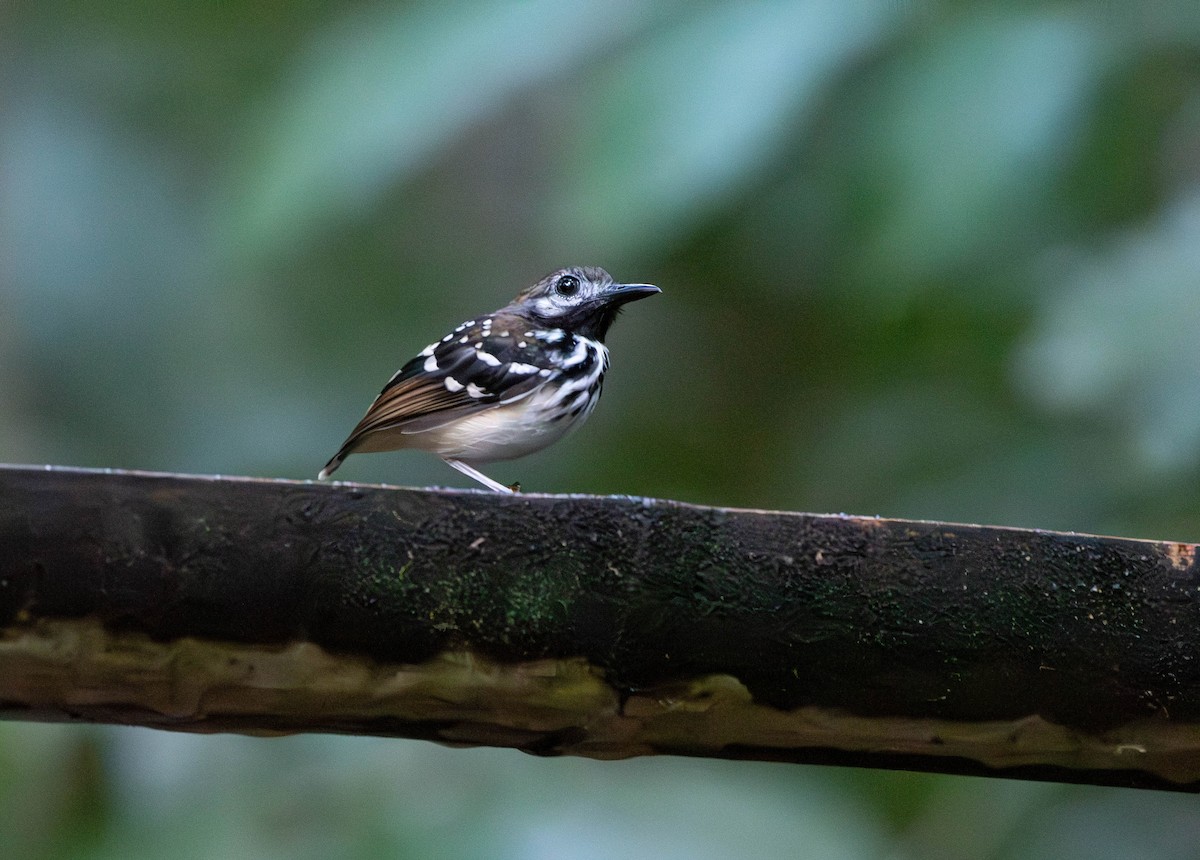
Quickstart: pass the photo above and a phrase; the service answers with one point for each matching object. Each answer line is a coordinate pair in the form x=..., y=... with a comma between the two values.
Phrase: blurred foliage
x=922, y=259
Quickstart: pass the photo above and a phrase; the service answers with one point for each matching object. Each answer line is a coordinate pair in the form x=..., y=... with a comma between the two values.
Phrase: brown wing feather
x=411, y=400
x=417, y=399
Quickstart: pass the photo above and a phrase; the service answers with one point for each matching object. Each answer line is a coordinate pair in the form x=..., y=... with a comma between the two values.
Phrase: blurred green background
x=936, y=260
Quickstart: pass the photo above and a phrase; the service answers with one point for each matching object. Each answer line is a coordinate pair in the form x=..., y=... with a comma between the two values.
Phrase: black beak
x=619, y=294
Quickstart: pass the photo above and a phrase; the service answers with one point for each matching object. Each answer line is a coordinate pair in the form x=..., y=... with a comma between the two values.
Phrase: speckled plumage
x=505, y=384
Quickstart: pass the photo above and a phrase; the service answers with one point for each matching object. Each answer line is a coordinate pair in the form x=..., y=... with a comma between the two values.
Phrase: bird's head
x=581, y=299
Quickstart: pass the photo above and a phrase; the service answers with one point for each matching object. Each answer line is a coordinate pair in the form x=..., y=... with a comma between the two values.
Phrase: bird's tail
x=333, y=464
x=354, y=442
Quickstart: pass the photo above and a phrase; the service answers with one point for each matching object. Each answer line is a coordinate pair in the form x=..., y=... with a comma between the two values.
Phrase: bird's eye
x=567, y=285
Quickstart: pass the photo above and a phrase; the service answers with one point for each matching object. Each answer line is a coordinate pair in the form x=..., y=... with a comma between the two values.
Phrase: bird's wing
x=481, y=365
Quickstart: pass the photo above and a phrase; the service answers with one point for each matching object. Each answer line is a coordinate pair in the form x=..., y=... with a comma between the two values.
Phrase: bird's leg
x=472, y=472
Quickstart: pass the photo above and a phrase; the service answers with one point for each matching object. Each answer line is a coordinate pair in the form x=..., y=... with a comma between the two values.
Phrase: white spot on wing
x=488, y=358
x=522, y=368
x=429, y=349
x=453, y=385
x=431, y=364
x=475, y=391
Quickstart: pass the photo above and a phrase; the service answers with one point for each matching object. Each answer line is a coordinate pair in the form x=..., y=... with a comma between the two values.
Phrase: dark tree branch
x=605, y=627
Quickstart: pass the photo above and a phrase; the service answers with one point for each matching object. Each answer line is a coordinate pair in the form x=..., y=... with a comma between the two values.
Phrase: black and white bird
x=503, y=385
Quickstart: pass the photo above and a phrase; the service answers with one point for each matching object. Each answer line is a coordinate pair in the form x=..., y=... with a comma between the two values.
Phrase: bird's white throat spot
x=579, y=354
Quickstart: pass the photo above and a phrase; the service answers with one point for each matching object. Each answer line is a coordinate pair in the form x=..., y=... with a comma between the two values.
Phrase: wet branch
x=598, y=626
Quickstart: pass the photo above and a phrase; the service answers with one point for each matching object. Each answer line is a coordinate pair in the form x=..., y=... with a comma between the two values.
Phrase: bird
x=505, y=384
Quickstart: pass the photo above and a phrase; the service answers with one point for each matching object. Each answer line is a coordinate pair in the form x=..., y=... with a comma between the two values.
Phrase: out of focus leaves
x=918, y=258
x=387, y=87
x=696, y=113
x=1117, y=336
x=1080, y=824
x=964, y=136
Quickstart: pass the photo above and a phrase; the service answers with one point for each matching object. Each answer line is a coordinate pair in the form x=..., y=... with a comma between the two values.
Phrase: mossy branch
x=598, y=626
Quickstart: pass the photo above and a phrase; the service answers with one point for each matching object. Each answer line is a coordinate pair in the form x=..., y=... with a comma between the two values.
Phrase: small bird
x=503, y=385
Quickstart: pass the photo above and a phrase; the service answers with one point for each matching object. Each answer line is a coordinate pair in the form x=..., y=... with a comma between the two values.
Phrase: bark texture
x=601, y=626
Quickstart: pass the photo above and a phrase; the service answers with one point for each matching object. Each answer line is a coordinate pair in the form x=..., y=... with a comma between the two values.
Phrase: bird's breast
x=529, y=424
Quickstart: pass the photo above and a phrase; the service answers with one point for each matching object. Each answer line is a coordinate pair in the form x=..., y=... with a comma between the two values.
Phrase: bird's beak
x=619, y=294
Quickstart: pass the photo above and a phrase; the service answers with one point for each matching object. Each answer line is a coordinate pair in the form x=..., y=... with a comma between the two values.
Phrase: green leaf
x=383, y=91
x=697, y=112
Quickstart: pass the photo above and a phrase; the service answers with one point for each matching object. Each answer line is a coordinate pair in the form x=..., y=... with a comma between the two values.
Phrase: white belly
x=503, y=433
